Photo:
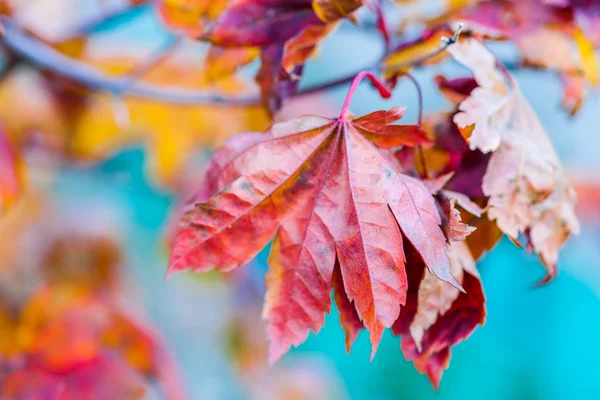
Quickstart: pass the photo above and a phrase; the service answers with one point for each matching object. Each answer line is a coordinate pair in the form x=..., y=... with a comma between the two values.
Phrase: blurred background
x=84, y=246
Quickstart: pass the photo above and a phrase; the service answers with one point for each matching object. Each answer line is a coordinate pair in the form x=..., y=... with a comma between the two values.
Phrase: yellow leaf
x=171, y=133
x=403, y=59
x=589, y=58
x=332, y=10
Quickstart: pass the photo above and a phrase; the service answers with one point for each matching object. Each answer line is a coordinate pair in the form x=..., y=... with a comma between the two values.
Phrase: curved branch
x=45, y=56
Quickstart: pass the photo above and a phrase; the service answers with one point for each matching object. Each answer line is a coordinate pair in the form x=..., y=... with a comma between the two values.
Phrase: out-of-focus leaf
x=573, y=92
x=589, y=58
x=87, y=262
x=223, y=62
x=261, y=23
x=11, y=172
x=190, y=16
x=287, y=33
x=171, y=133
x=67, y=337
x=404, y=56
x=333, y=10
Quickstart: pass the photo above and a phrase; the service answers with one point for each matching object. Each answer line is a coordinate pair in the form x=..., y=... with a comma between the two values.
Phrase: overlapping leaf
x=326, y=193
x=436, y=317
x=546, y=34
x=527, y=188
x=557, y=35
x=287, y=32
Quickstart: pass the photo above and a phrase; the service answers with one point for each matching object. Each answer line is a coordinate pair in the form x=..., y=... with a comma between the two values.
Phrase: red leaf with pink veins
x=349, y=319
x=326, y=193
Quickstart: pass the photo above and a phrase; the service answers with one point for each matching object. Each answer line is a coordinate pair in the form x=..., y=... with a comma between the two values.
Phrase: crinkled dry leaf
x=527, y=188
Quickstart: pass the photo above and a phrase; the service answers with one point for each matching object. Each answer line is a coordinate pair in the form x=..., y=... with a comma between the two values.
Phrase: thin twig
x=43, y=55
x=419, y=148
x=444, y=44
x=419, y=96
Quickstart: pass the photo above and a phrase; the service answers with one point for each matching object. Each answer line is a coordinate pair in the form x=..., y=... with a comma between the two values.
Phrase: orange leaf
x=333, y=10
x=190, y=16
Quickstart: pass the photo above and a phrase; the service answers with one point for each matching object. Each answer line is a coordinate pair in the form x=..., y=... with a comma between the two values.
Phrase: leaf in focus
x=349, y=318
x=457, y=230
x=326, y=193
x=527, y=188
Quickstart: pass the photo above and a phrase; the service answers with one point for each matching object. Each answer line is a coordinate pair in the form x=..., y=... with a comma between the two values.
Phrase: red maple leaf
x=327, y=194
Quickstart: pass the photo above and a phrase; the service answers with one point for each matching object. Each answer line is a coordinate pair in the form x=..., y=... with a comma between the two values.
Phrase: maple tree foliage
x=388, y=219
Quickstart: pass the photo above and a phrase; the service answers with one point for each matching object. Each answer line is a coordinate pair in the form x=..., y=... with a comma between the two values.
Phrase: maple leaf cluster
x=387, y=219
x=346, y=215
x=284, y=34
